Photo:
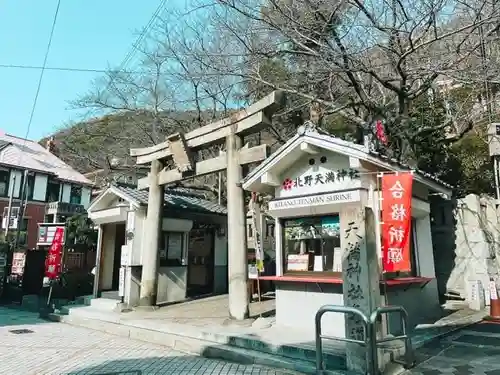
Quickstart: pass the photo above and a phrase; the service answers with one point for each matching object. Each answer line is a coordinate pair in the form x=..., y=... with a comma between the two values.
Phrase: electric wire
x=128, y=57
x=42, y=71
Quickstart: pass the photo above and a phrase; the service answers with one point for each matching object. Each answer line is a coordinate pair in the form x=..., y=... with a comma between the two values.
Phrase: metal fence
x=369, y=341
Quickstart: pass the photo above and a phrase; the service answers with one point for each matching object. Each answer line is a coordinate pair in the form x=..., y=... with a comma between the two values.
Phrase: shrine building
x=323, y=190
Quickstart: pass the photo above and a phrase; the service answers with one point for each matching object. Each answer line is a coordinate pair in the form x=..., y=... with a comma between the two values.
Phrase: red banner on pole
x=396, y=221
x=54, y=256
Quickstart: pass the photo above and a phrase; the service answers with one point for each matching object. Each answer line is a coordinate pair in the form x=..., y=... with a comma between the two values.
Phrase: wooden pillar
x=151, y=237
x=361, y=280
x=237, y=240
x=97, y=265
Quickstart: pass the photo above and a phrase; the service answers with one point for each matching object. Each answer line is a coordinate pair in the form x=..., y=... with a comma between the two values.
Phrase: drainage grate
x=21, y=331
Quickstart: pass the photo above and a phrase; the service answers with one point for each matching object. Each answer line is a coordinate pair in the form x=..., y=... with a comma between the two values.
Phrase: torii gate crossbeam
x=179, y=148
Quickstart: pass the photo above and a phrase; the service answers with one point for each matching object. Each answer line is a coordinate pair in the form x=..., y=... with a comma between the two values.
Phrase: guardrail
x=370, y=341
x=409, y=358
x=346, y=310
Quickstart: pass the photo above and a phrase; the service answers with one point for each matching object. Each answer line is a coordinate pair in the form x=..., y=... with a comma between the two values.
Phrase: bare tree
x=164, y=93
x=359, y=61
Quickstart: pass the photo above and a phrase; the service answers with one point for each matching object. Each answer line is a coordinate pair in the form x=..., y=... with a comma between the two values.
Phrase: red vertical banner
x=54, y=256
x=396, y=221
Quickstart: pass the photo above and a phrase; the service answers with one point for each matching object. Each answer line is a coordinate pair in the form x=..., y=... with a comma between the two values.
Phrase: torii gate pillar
x=149, y=278
x=179, y=148
x=236, y=232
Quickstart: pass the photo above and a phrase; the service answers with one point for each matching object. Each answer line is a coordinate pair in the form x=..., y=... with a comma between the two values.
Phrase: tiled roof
x=390, y=160
x=24, y=153
x=416, y=170
x=180, y=198
x=327, y=140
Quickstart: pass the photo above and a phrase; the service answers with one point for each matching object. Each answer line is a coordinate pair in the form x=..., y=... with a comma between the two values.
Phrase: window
x=250, y=230
x=53, y=191
x=4, y=183
x=172, y=249
x=312, y=244
x=23, y=232
x=269, y=230
x=30, y=186
x=76, y=195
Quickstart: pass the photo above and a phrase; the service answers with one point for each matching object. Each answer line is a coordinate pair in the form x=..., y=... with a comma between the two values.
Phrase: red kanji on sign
x=54, y=257
x=396, y=218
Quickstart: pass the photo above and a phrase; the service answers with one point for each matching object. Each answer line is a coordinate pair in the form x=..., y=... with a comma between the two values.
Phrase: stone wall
x=465, y=238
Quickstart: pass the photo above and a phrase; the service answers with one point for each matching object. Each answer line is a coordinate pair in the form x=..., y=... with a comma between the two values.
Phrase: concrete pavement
x=474, y=350
x=31, y=346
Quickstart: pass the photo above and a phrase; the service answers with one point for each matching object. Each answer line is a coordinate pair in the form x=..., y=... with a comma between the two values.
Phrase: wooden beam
x=309, y=149
x=204, y=167
x=255, y=122
x=270, y=180
x=181, y=154
x=247, y=121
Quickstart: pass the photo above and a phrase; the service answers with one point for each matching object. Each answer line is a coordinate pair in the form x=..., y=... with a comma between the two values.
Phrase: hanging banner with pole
x=256, y=221
x=396, y=221
x=53, y=262
x=54, y=256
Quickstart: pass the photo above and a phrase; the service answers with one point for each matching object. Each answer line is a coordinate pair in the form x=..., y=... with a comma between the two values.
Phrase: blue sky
x=89, y=34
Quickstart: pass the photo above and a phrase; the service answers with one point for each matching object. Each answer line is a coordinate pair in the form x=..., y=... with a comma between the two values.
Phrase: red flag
x=54, y=256
x=380, y=132
x=396, y=219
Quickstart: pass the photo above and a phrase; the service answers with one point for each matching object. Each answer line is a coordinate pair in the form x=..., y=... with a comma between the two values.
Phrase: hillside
x=104, y=143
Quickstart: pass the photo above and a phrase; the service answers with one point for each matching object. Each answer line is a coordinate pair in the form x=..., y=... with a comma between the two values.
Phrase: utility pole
x=22, y=204
x=11, y=194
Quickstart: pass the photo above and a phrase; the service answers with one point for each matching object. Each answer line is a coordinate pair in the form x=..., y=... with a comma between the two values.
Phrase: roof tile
x=182, y=198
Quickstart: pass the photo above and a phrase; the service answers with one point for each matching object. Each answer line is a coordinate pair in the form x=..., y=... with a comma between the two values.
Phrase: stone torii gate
x=179, y=148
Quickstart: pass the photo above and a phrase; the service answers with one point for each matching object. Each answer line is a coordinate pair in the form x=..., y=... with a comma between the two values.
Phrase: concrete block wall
x=466, y=243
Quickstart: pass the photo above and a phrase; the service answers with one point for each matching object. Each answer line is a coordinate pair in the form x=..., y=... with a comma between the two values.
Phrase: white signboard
x=298, y=262
x=315, y=200
x=174, y=245
x=319, y=173
x=476, y=295
x=252, y=272
x=125, y=255
x=493, y=290
x=121, y=282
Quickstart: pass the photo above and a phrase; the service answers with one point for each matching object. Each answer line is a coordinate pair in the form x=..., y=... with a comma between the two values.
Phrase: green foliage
x=7, y=243
x=80, y=233
x=476, y=168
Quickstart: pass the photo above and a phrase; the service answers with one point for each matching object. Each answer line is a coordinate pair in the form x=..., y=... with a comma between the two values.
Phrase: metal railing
x=370, y=341
x=409, y=358
x=346, y=310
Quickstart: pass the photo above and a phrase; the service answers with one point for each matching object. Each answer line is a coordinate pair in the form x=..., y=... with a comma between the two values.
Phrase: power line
x=90, y=70
x=133, y=49
x=23, y=186
x=42, y=71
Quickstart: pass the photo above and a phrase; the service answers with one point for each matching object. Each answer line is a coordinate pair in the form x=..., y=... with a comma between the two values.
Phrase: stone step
x=206, y=344
x=333, y=356
x=104, y=304
x=247, y=356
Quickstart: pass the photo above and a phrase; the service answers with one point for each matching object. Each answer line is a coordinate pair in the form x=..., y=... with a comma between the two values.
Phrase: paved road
x=472, y=351
x=60, y=349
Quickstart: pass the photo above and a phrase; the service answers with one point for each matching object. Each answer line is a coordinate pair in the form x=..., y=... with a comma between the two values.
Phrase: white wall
x=66, y=193
x=86, y=194
x=334, y=163
x=135, y=224
x=107, y=256
x=220, y=250
x=40, y=188
x=15, y=183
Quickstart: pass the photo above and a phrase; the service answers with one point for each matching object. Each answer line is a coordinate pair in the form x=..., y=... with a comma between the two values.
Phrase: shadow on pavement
x=172, y=365
x=473, y=350
x=15, y=316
